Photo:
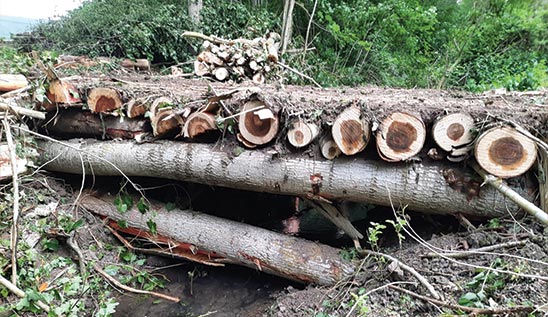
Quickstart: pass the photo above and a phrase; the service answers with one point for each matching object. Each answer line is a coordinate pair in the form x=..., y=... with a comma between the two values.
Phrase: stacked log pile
x=368, y=145
x=239, y=59
x=403, y=126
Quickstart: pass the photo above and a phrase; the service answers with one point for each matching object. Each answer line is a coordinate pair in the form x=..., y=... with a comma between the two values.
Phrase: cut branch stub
x=504, y=152
x=350, y=132
x=9, y=82
x=454, y=133
x=101, y=100
x=164, y=120
x=329, y=148
x=302, y=134
x=198, y=123
x=258, y=124
x=400, y=136
x=61, y=92
x=136, y=108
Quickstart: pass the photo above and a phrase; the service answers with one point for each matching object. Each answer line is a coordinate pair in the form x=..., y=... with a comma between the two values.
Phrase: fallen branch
x=300, y=74
x=23, y=111
x=19, y=292
x=471, y=310
x=467, y=253
x=14, y=231
x=407, y=268
x=131, y=289
x=504, y=189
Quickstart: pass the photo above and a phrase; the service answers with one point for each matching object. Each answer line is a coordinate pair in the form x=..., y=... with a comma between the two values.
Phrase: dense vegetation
x=470, y=44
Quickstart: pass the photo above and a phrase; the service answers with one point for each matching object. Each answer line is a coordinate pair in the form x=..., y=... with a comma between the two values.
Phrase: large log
x=79, y=123
x=420, y=186
x=247, y=245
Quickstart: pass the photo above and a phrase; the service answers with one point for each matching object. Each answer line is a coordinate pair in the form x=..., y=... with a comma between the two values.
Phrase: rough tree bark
x=235, y=242
x=426, y=187
x=194, y=10
x=287, y=24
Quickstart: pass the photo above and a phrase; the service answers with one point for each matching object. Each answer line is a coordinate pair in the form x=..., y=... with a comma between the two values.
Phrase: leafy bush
x=470, y=44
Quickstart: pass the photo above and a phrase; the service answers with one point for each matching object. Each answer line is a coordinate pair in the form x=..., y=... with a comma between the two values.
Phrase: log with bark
x=61, y=93
x=350, y=131
x=9, y=82
x=328, y=147
x=454, y=133
x=400, y=137
x=427, y=186
x=302, y=133
x=258, y=123
x=235, y=242
x=104, y=100
x=504, y=152
x=77, y=123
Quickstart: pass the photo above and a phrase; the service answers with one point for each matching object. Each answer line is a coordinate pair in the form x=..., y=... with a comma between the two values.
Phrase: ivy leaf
x=51, y=245
x=152, y=226
x=170, y=206
x=122, y=224
x=143, y=206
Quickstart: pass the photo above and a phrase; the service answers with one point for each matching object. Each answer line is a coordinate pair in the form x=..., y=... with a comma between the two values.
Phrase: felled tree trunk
x=235, y=242
x=419, y=186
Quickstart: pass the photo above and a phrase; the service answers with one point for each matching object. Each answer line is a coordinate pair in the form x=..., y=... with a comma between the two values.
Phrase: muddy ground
x=507, y=277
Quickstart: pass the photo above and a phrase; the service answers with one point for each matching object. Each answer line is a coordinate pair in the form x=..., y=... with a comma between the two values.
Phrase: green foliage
x=470, y=44
x=374, y=233
x=483, y=285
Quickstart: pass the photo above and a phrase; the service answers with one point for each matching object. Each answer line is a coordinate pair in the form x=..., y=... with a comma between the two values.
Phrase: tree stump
x=350, y=132
x=400, y=137
x=258, y=124
x=104, y=100
x=504, y=152
x=302, y=134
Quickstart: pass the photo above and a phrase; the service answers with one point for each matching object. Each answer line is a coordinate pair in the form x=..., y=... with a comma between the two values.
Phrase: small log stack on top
x=238, y=59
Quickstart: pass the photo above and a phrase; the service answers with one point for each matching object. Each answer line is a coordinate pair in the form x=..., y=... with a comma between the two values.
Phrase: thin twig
x=472, y=310
x=73, y=244
x=299, y=73
x=484, y=250
x=19, y=292
x=14, y=234
x=131, y=289
x=409, y=269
